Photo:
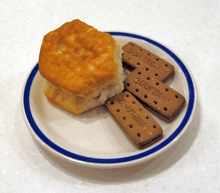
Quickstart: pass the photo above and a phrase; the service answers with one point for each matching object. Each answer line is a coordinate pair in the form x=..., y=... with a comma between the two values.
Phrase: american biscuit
x=82, y=66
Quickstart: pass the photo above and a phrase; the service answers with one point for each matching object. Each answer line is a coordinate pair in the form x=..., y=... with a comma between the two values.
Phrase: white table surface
x=191, y=28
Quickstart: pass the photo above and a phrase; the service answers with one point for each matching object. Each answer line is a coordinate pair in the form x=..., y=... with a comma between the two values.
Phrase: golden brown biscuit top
x=76, y=56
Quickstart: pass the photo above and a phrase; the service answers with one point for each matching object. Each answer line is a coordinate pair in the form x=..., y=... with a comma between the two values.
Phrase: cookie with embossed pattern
x=135, y=56
x=156, y=96
x=134, y=119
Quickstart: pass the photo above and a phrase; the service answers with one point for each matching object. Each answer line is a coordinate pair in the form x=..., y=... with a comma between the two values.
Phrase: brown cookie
x=135, y=56
x=156, y=96
x=134, y=119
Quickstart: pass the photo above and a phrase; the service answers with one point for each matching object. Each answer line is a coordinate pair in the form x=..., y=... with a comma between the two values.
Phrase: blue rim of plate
x=179, y=129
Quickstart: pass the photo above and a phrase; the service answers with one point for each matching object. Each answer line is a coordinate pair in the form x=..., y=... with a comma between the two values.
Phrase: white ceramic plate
x=94, y=139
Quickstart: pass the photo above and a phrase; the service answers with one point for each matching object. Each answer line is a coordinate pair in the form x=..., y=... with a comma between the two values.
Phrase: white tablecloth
x=190, y=28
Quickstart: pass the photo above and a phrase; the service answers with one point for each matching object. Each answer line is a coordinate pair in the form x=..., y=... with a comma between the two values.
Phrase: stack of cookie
x=145, y=87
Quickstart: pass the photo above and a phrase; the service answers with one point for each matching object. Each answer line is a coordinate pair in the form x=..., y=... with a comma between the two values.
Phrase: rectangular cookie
x=156, y=96
x=135, y=56
x=134, y=119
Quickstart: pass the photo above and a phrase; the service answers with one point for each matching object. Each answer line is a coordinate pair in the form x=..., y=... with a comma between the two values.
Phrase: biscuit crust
x=78, y=58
